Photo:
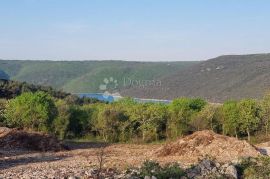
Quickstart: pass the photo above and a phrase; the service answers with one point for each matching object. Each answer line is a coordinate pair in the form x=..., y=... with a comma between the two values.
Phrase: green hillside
x=217, y=80
x=86, y=76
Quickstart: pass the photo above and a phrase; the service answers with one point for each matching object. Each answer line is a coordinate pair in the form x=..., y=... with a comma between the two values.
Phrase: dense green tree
x=248, y=114
x=61, y=122
x=182, y=111
x=31, y=110
x=137, y=117
x=152, y=121
x=110, y=123
x=219, y=117
x=79, y=121
x=231, y=120
x=205, y=119
x=265, y=112
x=3, y=103
x=158, y=116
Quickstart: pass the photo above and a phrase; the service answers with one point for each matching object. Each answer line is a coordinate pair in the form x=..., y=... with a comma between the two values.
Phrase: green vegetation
x=231, y=118
x=255, y=167
x=85, y=76
x=31, y=111
x=130, y=121
x=11, y=89
x=182, y=111
x=217, y=80
x=69, y=117
x=246, y=168
x=152, y=168
x=2, y=110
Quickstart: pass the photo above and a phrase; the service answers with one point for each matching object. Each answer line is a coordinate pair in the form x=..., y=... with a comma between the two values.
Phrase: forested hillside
x=216, y=80
x=11, y=89
x=86, y=76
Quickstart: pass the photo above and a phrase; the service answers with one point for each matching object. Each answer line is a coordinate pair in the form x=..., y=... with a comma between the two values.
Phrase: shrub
x=2, y=109
x=255, y=167
x=32, y=111
x=171, y=171
x=152, y=168
x=61, y=122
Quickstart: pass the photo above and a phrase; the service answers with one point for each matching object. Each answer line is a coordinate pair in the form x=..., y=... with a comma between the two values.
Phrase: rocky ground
x=76, y=162
x=82, y=159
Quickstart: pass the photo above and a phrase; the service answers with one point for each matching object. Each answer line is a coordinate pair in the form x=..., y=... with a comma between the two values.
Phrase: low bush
x=152, y=168
x=255, y=167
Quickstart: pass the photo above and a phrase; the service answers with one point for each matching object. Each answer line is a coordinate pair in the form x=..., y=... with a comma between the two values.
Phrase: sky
x=141, y=30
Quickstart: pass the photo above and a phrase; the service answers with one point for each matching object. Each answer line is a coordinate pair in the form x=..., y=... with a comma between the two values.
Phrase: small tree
x=101, y=158
x=248, y=113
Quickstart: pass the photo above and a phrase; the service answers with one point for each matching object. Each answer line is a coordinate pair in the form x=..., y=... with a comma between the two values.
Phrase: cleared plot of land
x=83, y=156
x=75, y=162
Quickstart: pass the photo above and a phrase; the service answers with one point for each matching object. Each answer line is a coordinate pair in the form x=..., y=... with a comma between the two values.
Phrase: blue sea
x=112, y=98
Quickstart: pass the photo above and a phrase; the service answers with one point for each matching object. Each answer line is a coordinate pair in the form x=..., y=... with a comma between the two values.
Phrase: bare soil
x=18, y=139
x=82, y=157
x=207, y=143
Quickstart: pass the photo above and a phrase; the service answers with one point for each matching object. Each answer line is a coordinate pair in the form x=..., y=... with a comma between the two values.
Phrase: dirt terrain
x=18, y=139
x=203, y=143
x=82, y=157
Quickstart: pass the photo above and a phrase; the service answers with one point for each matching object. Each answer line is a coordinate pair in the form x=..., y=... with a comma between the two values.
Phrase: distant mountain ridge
x=222, y=78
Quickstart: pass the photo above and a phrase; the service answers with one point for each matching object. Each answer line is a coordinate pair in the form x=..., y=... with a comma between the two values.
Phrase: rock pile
x=19, y=139
x=207, y=143
x=210, y=169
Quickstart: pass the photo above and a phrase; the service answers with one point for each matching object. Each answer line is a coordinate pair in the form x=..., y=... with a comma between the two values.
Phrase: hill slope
x=86, y=76
x=218, y=79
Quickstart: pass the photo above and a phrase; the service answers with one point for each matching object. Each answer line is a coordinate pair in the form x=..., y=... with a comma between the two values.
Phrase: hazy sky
x=150, y=30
